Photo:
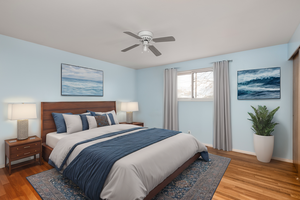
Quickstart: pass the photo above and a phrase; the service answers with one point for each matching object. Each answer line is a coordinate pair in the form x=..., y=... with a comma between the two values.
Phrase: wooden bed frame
x=47, y=122
x=48, y=126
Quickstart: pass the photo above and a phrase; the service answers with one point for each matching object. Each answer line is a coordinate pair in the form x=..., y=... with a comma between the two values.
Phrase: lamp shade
x=21, y=111
x=129, y=106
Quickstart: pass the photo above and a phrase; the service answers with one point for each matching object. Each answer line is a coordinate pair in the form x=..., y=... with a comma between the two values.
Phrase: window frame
x=191, y=72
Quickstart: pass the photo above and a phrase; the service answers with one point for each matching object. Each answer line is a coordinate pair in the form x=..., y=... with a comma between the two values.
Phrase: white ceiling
x=202, y=28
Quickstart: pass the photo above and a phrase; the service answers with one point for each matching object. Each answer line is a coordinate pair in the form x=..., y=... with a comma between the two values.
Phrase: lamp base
x=129, y=117
x=22, y=132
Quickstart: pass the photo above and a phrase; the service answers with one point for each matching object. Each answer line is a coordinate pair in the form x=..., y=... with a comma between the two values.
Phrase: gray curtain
x=170, y=100
x=222, y=114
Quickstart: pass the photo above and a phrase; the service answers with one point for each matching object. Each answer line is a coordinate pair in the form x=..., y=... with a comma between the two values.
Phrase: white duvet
x=135, y=175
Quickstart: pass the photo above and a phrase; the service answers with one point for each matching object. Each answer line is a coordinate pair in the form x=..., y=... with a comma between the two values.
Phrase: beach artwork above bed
x=81, y=81
x=259, y=83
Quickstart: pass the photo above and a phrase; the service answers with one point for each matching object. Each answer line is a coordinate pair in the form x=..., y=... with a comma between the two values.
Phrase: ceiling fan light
x=146, y=37
x=145, y=48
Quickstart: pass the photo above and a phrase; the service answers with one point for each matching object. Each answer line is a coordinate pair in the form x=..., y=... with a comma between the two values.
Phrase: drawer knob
x=26, y=147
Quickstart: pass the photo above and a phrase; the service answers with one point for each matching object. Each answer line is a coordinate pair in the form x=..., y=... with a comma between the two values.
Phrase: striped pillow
x=111, y=115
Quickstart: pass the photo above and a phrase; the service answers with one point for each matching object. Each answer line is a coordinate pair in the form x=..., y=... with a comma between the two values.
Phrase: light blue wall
x=294, y=42
x=31, y=73
x=198, y=116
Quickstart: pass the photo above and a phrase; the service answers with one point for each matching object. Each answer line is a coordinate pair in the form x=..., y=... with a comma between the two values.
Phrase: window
x=195, y=85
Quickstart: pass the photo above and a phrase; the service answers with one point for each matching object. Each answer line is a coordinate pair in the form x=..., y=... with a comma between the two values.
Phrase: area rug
x=199, y=181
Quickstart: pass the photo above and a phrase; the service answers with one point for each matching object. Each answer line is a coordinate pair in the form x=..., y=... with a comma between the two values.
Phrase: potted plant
x=263, y=127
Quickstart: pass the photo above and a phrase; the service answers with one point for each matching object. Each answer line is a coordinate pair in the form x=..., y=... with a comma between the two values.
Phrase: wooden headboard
x=47, y=122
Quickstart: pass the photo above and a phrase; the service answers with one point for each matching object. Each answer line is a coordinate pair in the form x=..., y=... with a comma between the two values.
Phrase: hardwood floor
x=245, y=178
x=16, y=186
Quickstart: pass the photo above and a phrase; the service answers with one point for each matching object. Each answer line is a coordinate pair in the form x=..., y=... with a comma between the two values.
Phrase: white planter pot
x=263, y=146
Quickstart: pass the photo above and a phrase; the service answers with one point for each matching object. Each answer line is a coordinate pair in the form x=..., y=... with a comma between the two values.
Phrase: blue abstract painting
x=81, y=81
x=259, y=83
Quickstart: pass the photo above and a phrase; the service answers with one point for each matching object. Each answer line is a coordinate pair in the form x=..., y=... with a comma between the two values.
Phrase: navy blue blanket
x=93, y=164
x=58, y=168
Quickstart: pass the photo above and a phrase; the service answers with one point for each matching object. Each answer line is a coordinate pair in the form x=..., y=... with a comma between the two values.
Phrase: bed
x=148, y=190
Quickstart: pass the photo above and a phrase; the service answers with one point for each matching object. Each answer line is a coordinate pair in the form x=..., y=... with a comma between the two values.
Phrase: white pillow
x=73, y=123
x=113, y=114
x=92, y=122
x=85, y=113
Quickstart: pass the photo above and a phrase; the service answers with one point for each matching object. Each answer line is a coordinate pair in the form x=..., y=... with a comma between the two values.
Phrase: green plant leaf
x=262, y=120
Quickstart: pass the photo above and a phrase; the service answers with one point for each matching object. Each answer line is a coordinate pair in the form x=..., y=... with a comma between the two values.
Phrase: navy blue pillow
x=85, y=123
x=92, y=113
x=111, y=117
x=60, y=122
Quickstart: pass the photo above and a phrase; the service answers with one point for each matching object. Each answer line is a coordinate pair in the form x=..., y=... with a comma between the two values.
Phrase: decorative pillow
x=87, y=113
x=85, y=123
x=112, y=119
x=92, y=122
x=60, y=122
x=101, y=120
x=73, y=123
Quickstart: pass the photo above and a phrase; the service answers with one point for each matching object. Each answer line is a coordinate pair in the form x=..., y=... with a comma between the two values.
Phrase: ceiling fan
x=146, y=37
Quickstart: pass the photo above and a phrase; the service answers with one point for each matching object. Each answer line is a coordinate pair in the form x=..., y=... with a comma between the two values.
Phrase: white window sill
x=195, y=99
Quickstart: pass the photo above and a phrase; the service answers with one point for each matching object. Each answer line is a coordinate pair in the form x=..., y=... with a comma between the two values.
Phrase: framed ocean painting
x=259, y=83
x=81, y=81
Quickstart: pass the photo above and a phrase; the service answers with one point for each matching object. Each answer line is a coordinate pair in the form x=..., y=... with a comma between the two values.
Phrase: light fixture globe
x=146, y=38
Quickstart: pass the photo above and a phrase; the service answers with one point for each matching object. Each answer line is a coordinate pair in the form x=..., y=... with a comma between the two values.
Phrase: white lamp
x=22, y=112
x=129, y=107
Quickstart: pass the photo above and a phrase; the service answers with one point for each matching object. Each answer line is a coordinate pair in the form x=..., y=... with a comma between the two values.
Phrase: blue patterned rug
x=199, y=181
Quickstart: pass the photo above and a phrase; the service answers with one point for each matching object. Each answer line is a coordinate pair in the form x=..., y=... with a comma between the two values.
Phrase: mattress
x=53, y=138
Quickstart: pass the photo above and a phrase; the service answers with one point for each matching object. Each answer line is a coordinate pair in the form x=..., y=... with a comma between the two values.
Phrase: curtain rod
x=222, y=60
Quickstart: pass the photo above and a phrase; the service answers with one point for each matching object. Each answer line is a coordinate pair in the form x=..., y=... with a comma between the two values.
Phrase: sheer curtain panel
x=170, y=100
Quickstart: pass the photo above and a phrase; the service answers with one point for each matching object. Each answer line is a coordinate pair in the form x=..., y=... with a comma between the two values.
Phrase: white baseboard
x=208, y=145
x=2, y=166
x=283, y=159
x=245, y=152
x=252, y=153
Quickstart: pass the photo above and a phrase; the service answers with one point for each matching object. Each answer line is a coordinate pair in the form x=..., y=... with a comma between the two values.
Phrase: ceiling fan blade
x=132, y=35
x=131, y=47
x=164, y=39
x=154, y=50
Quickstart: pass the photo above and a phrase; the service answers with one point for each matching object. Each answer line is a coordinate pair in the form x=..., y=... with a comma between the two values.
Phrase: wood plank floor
x=245, y=178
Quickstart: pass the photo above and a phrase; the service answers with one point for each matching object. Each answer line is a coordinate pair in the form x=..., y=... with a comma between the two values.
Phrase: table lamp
x=22, y=112
x=129, y=107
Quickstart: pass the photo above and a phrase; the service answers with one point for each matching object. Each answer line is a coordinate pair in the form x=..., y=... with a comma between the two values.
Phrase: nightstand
x=134, y=123
x=17, y=149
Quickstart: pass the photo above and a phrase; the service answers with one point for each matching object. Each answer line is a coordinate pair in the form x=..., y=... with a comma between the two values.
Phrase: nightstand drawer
x=24, y=147
x=25, y=153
